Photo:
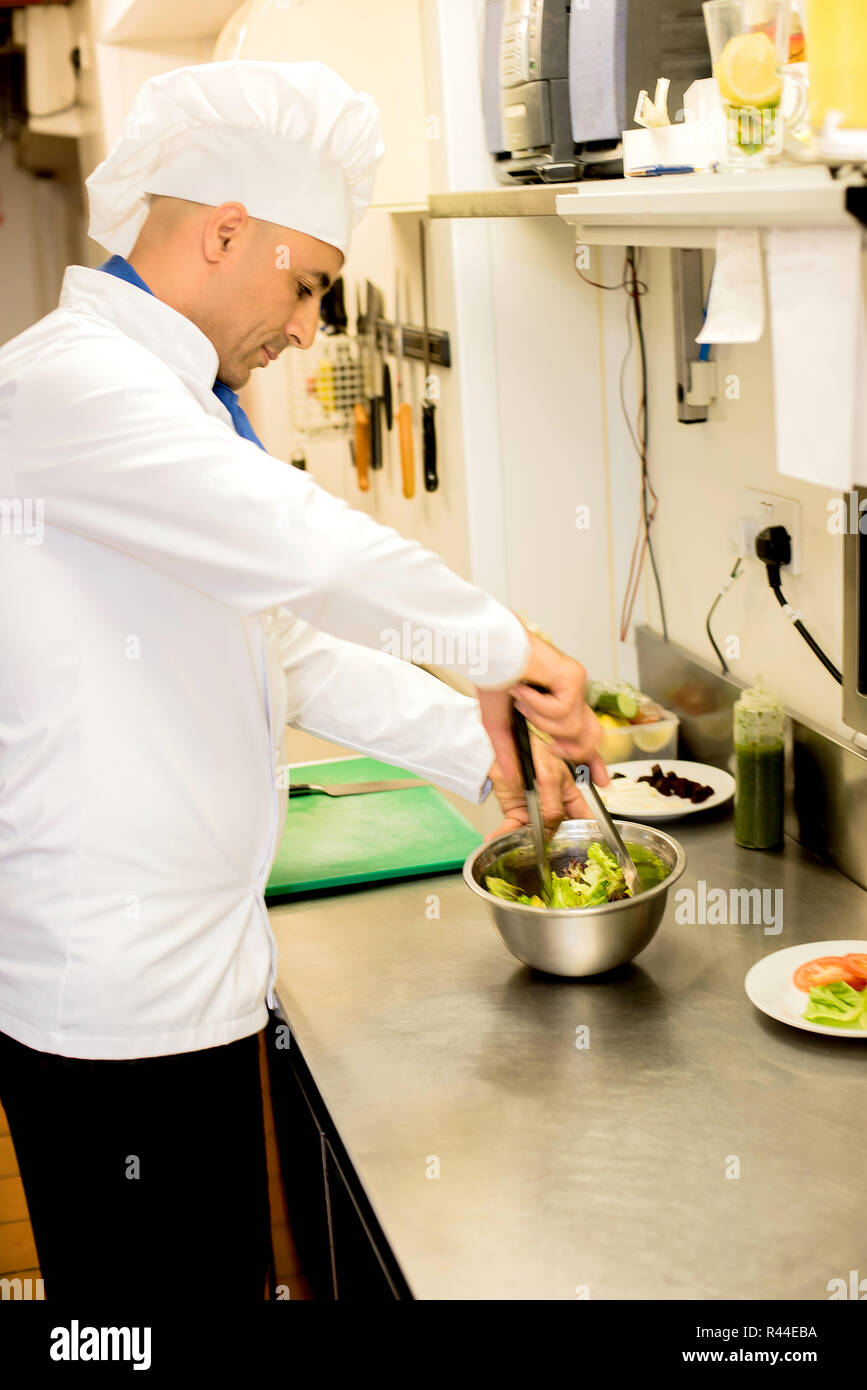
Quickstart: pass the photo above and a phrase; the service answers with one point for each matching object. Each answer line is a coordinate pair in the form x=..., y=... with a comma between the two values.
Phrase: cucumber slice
x=617, y=702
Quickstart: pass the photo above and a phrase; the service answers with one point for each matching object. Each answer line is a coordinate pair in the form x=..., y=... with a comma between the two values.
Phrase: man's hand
x=562, y=714
x=559, y=796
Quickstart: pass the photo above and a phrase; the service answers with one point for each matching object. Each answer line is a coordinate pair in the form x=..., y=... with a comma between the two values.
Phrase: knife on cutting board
x=355, y=788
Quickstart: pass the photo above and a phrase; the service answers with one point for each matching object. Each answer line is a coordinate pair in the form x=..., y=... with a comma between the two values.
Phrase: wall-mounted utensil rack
x=413, y=341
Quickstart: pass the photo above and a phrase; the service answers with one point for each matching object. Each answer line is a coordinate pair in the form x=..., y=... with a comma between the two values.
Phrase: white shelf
x=522, y=200
x=686, y=209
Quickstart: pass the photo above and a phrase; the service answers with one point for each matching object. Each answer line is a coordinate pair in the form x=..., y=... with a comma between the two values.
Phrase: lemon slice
x=748, y=71
x=650, y=738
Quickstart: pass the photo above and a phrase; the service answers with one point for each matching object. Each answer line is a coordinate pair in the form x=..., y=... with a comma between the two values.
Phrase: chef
x=185, y=596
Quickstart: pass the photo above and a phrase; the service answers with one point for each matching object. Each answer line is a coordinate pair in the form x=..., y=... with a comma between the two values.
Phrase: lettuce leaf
x=836, y=1003
x=565, y=892
x=511, y=893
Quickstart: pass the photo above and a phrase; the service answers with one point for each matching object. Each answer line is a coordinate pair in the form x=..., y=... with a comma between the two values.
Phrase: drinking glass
x=749, y=46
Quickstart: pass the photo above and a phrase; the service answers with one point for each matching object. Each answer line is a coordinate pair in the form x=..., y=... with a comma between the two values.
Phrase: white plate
x=769, y=985
x=671, y=806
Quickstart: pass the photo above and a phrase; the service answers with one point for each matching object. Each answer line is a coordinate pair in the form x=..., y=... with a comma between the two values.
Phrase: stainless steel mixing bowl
x=573, y=941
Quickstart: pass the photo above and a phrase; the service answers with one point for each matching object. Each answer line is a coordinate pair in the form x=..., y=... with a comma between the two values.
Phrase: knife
x=386, y=370
x=404, y=409
x=428, y=409
x=355, y=788
x=375, y=400
x=361, y=454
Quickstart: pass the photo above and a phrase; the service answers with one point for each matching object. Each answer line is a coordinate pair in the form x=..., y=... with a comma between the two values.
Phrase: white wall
x=699, y=472
x=543, y=388
x=542, y=436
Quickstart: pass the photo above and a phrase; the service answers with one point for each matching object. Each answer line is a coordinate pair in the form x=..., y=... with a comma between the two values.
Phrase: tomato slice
x=857, y=962
x=825, y=970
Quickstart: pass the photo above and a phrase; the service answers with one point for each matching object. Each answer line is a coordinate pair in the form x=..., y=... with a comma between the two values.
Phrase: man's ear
x=222, y=228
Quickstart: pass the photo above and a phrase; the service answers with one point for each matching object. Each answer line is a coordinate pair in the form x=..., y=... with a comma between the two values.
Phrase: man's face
x=266, y=297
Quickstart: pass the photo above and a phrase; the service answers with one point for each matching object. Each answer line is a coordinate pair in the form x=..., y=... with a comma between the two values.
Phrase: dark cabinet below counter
x=343, y=1252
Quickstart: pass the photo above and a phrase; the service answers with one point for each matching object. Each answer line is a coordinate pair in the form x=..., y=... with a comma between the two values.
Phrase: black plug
x=774, y=548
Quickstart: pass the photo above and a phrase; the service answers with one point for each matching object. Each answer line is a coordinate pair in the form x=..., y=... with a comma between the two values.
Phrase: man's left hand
x=559, y=796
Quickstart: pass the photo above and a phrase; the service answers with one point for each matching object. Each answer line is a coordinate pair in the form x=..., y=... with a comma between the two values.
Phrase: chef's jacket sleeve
x=123, y=454
x=383, y=707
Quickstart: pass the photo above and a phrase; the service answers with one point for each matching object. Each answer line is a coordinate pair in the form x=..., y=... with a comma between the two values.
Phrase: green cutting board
x=330, y=841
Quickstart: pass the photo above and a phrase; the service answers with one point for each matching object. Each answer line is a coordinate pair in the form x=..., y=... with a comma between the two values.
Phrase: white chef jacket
x=187, y=596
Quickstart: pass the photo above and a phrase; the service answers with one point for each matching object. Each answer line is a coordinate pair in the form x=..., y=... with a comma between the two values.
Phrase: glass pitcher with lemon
x=749, y=45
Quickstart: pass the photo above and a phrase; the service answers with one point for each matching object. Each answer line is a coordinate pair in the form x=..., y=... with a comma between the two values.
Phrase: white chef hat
x=291, y=141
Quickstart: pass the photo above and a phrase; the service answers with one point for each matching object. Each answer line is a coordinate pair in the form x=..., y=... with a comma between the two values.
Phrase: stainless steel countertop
x=603, y=1168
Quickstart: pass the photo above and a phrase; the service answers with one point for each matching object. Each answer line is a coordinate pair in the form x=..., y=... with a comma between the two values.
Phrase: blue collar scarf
x=116, y=265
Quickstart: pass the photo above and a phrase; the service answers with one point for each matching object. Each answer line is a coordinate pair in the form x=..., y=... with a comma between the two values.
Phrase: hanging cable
x=643, y=542
x=624, y=283
x=710, y=612
x=647, y=490
x=635, y=288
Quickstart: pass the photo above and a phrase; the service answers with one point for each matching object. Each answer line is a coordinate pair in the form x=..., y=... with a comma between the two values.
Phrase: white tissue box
x=698, y=139
x=697, y=143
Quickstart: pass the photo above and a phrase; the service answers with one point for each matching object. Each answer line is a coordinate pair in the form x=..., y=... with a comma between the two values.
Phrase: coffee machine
x=561, y=79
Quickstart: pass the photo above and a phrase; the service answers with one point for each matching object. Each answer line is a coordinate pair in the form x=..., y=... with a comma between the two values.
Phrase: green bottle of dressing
x=758, y=736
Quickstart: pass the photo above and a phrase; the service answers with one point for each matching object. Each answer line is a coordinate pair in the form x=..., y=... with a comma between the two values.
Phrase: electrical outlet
x=768, y=509
x=742, y=536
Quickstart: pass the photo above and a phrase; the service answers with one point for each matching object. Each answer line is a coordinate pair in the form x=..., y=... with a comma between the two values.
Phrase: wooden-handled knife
x=404, y=409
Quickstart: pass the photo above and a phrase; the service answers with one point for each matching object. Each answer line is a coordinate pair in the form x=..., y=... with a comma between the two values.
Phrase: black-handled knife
x=386, y=396
x=375, y=400
x=429, y=446
x=428, y=420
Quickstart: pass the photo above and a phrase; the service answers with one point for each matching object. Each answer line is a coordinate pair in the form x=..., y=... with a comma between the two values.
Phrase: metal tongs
x=612, y=835
x=609, y=830
x=534, y=810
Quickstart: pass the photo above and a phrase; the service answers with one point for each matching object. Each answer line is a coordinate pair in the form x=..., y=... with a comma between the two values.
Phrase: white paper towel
x=820, y=354
x=736, y=308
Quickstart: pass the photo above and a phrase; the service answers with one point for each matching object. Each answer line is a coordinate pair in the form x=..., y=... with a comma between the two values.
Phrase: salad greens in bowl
x=592, y=923
x=589, y=883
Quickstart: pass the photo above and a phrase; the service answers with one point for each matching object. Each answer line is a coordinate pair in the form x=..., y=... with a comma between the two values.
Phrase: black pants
x=146, y=1180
